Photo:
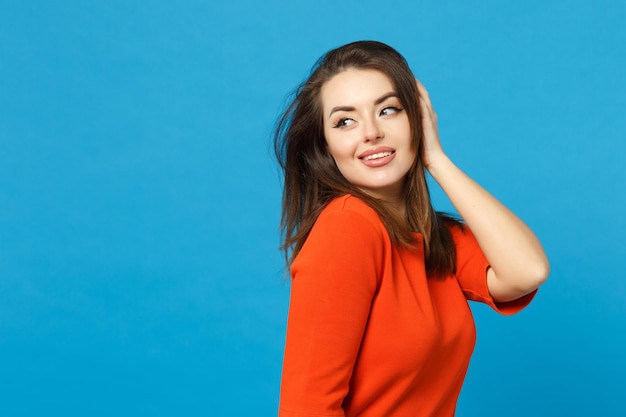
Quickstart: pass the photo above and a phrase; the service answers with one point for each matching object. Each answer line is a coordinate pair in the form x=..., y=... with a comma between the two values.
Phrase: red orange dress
x=368, y=333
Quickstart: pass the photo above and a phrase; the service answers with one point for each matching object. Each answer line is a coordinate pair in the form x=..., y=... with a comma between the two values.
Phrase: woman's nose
x=372, y=131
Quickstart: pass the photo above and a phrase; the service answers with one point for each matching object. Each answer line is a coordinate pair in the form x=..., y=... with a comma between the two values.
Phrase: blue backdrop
x=139, y=202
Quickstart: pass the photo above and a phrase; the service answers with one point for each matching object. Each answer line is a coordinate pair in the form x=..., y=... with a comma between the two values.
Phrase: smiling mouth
x=377, y=156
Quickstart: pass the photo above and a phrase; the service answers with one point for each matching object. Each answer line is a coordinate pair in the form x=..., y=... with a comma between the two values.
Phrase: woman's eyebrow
x=340, y=108
x=376, y=102
x=385, y=97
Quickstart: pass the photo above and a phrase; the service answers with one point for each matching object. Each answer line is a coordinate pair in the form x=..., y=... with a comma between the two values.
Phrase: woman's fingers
x=431, y=144
x=425, y=103
x=423, y=93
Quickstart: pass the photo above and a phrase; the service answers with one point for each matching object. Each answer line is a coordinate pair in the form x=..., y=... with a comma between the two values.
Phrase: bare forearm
x=518, y=262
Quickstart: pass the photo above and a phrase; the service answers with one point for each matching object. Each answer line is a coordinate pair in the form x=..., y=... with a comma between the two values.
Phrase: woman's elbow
x=542, y=271
x=510, y=284
x=535, y=276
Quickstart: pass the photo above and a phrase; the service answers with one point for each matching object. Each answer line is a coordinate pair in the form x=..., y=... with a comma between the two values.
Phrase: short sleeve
x=334, y=279
x=471, y=272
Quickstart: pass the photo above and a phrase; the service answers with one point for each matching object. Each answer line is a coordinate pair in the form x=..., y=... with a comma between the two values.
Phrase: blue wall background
x=139, y=202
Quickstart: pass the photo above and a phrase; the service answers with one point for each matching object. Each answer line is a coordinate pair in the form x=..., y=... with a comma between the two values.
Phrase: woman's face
x=368, y=132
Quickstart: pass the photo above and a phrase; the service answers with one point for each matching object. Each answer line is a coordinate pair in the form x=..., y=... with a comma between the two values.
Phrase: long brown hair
x=312, y=178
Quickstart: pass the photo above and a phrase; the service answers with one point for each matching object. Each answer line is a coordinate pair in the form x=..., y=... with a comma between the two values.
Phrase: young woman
x=379, y=323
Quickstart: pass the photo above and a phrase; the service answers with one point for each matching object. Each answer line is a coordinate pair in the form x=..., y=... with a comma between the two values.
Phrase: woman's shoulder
x=350, y=212
x=459, y=231
x=346, y=229
x=350, y=204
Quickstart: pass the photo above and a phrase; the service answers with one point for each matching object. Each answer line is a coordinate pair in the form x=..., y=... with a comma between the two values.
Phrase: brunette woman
x=379, y=323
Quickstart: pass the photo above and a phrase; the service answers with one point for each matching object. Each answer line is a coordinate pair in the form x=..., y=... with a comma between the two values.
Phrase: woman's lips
x=378, y=156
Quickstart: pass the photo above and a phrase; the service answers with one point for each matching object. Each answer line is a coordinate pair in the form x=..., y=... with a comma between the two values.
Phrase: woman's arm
x=334, y=281
x=518, y=263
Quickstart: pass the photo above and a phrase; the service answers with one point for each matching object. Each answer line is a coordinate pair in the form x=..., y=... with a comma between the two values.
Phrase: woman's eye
x=390, y=110
x=344, y=122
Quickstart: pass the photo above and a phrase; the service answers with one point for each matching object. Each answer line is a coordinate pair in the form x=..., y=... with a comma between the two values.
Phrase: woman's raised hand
x=432, y=145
